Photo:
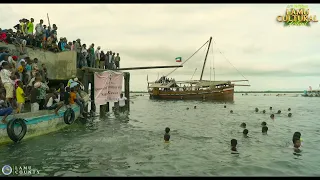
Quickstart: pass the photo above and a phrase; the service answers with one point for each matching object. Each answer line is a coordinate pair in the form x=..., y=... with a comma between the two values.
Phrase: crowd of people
x=27, y=79
x=44, y=37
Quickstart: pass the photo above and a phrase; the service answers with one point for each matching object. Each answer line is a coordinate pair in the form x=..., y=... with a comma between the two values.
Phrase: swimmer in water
x=166, y=136
x=296, y=142
x=225, y=106
x=279, y=112
x=245, y=133
x=264, y=130
x=297, y=135
x=187, y=108
x=234, y=143
x=264, y=111
x=195, y=107
x=243, y=125
x=231, y=111
x=270, y=108
x=289, y=109
x=272, y=116
x=256, y=110
x=290, y=114
x=263, y=123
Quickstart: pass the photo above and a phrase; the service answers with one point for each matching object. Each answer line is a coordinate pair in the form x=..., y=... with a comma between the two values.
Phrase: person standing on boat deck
x=6, y=75
x=117, y=61
x=122, y=103
x=20, y=97
x=42, y=88
x=5, y=110
x=97, y=57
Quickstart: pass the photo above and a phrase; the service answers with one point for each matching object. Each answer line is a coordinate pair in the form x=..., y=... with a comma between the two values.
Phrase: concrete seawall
x=60, y=66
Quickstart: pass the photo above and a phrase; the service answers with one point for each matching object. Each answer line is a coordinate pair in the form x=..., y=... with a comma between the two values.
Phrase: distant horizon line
x=268, y=91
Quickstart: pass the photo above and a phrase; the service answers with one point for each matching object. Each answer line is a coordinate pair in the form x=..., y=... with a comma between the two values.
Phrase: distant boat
x=166, y=89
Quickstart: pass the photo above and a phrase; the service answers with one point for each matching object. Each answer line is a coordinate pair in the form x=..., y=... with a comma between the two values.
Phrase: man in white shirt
x=8, y=83
x=122, y=103
x=39, y=29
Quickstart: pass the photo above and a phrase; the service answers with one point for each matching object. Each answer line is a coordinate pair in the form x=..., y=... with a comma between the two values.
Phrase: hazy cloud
x=263, y=50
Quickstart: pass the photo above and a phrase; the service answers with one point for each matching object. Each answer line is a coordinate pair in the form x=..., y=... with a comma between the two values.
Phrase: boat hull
x=220, y=95
x=41, y=122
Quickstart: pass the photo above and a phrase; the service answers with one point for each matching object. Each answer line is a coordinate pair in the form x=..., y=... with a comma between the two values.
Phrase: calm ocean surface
x=200, y=141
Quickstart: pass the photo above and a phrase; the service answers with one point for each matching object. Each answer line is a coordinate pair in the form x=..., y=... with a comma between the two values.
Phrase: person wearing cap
x=71, y=80
x=97, y=57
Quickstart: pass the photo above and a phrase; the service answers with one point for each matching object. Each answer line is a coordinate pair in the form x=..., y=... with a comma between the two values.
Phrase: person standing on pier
x=92, y=58
x=117, y=61
x=102, y=60
x=110, y=60
x=77, y=48
x=97, y=57
x=107, y=60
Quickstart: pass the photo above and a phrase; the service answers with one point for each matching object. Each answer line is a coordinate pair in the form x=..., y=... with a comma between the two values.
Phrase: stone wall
x=61, y=66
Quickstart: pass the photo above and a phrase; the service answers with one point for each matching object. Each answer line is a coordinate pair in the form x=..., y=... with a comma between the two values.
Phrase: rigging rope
x=229, y=61
x=188, y=58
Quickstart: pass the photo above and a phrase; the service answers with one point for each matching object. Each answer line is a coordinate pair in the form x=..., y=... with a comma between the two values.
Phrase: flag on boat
x=178, y=59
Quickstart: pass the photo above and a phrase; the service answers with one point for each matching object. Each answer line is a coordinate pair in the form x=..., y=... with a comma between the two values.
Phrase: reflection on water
x=132, y=145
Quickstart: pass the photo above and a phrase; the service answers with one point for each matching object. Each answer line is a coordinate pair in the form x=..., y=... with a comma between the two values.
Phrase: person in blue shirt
x=5, y=109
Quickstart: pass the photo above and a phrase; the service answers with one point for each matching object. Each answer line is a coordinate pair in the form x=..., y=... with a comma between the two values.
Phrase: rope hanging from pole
x=188, y=58
x=229, y=61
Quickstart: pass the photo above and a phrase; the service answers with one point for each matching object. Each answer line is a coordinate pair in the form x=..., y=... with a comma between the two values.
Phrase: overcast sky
x=269, y=55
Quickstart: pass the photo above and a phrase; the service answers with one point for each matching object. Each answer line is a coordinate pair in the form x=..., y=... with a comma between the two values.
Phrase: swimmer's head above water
x=290, y=114
x=245, y=132
x=272, y=116
x=194, y=107
x=256, y=110
x=167, y=130
x=264, y=111
x=264, y=129
x=263, y=123
x=243, y=125
x=231, y=111
x=289, y=109
x=187, y=108
x=234, y=143
x=270, y=108
x=279, y=112
x=225, y=106
x=296, y=142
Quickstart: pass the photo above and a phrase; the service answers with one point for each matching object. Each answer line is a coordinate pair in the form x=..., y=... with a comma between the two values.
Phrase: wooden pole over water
x=127, y=89
x=93, y=105
x=131, y=68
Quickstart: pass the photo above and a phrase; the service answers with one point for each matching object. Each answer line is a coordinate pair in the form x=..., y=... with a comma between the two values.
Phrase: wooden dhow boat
x=166, y=89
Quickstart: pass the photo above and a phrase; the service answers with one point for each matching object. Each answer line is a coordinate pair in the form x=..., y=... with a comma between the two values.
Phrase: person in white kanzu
x=122, y=103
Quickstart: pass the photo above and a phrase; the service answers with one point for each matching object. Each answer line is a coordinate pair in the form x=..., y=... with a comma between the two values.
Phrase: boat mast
x=205, y=59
